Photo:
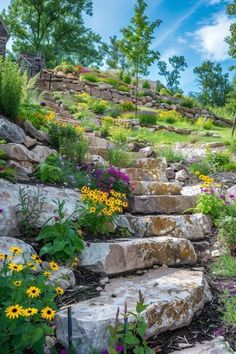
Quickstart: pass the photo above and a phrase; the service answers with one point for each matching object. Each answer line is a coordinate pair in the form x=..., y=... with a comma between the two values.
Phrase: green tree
x=173, y=76
x=54, y=27
x=231, y=40
x=136, y=43
x=231, y=104
x=114, y=58
x=213, y=83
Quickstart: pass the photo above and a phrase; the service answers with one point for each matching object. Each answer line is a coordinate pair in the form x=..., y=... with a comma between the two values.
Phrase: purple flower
x=63, y=351
x=43, y=104
x=222, y=196
x=218, y=332
x=231, y=196
x=1, y=210
x=119, y=348
x=104, y=351
x=233, y=292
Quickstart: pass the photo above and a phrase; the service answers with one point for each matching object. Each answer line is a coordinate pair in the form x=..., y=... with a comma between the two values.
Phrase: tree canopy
x=231, y=40
x=54, y=27
x=173, y=76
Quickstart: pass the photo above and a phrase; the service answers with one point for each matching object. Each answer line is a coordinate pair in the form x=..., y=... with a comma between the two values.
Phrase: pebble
x=215, y=253
x=104, y=281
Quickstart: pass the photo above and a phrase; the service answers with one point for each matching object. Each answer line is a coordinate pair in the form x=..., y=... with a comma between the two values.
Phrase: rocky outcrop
x=11, y=132
x=156, y=188
x=216, y=346
x=9, y=199
x=121, y=256
x=173, y=298
x=7, y=242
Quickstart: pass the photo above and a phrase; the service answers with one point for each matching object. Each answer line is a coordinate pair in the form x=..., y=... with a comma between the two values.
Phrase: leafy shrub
x=27, y=302
x=146, y=84
x=99, y=106
x=170, y=154
x=200, y=167
x=227, y=227
x=127, y=106
x=113, y=112
x=118, y=157
x=84, y=115
x=123, y=88
x=127, y=79
x=170, y=116
x=10, y=88
x=62, y=239
x=65, y=67
x=231, y=166
x=165, y=92
x=128, y=335
x=209, y=204
x=187, y=102
x=218, y=160
x=90, y=77
x=119, y=134
x=99, y=210
x=224, y=266
x=229, y=302
x=204, y=123
x=83, y=97
x=5, y=170
x=178, y=95
x=75, y=150
x=107, y=123
x=40, y=117
x=112, y=81
x=147, y=117
x=59, y=133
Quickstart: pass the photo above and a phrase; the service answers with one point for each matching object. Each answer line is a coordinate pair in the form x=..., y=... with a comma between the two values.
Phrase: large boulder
x=173, y=297
x=9, y=197
x=36, y=134
x=11, y=132
x=216, y=346
x=121, y=256
x=7, y=242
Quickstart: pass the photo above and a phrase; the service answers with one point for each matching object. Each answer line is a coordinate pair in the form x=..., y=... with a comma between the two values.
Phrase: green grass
x=224, y=266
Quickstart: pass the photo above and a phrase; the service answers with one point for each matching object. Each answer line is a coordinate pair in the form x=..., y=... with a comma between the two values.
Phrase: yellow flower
x=15, y=250
x=92, y=210
x=15, y=267
x=84, y=189
x=17, y=283
x=30, y=311
x=47, y=273
x=59, y=291
x=2, y=256
x=31, y=265
x=53, y=265
x=13, y=311
x=33, y=291
x=36, y=258
x=48, y=313
x=197, y=173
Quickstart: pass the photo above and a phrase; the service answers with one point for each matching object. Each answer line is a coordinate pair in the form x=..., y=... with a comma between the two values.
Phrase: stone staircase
x=163, y=230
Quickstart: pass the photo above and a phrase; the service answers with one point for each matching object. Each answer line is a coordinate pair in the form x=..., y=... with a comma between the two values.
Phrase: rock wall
x=69, y=82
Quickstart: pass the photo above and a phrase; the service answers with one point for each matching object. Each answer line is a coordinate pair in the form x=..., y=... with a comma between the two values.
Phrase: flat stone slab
x=151, y=164
x=121, y=256
x=145, y=174
x=217, y=346
x=161, y=204
x=156, y=188
x=192, y=227
x=173, y=297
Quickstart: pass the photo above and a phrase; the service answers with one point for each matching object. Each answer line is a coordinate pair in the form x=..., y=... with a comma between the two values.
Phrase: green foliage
x=170, y=154
x=119, y=134
x=202, y=167
x=147, y=117
x=107, y=123
x=127, y=79
x=31, y=207
x=118, y=157
x=227, y=227
x=230, y=167
x=65, y=67
x=60, y=133
x=37, y=115
x=99, y=106
x=127, y=106
x=224, y=266
x=114, y=58
x=146, y=84
x=187, y=102
x=173, y=77
x=209, y=204
x=92, y=77
x=30, y=93
x=178, y=95
x=10, y=88
x=24, y=333
x=231, y=39
x=75, y=150
x=113, y=112
x=123, y=88
x=205, y=123
x=131, y=331
x=6, y=171
x=229, y=302
x=213, y=83
x=218, y=160
x=62, y=239
x=165, y=92
x=57, y=30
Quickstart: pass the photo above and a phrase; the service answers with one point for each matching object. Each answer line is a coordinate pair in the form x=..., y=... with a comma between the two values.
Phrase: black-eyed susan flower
x=16, y=250
x=13, y=311
x=33, y=291
x=2, y=257
x=31, y=265
x=30, y=311
x=48, y=313
x=15, y=267
x=59, y=291
x=47, y=273
x=17, y=283
x=36, y=259
x=53, y=265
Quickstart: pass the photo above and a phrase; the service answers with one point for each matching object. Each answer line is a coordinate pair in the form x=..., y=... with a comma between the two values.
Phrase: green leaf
x=131, y=339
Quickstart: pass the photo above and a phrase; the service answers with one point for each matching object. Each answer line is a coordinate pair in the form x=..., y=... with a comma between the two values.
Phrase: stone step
x=145, y=174
x=156, y=188
x=161, y=204
x=124, y=255
x=173, y=297
x=192, y=227
x=151, y=163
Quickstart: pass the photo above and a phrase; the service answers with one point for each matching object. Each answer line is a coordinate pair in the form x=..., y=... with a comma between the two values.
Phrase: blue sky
x=193, y=28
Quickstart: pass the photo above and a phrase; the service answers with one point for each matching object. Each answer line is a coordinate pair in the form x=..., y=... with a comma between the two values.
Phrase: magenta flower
x=63, y=351
x=1, y=210
x=105, y=351
x=119, y=348
x=231, y=196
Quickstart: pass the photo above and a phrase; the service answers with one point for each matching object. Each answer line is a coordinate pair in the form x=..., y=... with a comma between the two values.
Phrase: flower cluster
x=208, y=184
x=50, y=117
x=103, y=202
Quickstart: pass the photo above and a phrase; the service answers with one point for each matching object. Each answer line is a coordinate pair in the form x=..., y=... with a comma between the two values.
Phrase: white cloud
x=209, y=40
x=213, y=2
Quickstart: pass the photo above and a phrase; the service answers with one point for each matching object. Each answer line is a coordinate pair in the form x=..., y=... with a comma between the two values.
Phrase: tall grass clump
x=147, y=117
